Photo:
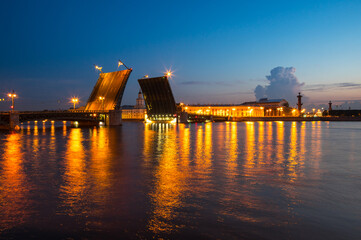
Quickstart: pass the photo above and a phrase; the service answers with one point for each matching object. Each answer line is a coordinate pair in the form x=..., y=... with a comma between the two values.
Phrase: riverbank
x=298, y=119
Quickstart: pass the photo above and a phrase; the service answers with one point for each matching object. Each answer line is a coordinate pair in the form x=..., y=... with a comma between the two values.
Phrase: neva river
x=245, y=180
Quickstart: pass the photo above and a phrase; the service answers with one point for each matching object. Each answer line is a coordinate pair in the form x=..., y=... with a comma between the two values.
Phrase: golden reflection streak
x=52, y=144
x=52, y=130
x=316, y=143
x=293, y=171
x=232, y=151
x=260, y=144
x=35, y=144
x=269, y=149
x=231, y=172
x=36, y=130
x=171, y=179
x=208, y=148
x=148, y=142
x=184, y=136
x=253, y=171
x=72, y=190
x=100, y=163
x=64, y=129
x=14, y=189
x=303, y=151
x=203, y=152
x=250, y=149
x=280, y=143
x=293, y=159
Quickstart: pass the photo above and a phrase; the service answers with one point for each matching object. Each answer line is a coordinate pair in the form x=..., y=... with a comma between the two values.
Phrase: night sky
x=219, y=50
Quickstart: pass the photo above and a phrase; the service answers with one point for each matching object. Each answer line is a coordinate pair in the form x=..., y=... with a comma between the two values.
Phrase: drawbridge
x=158, y=98
x=108, y=91
x=104, y=105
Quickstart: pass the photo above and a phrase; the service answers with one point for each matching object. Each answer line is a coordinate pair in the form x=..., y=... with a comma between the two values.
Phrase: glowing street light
x=102, y=99
x=168, y=73
x=98, y=68
x=75, y=101
x=120, y=63
x=12, y=95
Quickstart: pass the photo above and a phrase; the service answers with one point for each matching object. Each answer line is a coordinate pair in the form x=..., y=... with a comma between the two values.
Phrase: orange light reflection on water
x=74, y=186
x=100, y=165
x=249, y=149
x=280, y=143
x=170, y=179
x=14, y=189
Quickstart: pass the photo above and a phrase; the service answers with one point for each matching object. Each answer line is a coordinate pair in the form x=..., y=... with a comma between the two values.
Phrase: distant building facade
x=224, y=110
x=272, y=107
x=136, y=112
x=268, y=103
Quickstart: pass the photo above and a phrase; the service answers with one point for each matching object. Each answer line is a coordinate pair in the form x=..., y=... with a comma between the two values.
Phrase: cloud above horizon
x=324, y=87
x=211, y=83
x=283, y=83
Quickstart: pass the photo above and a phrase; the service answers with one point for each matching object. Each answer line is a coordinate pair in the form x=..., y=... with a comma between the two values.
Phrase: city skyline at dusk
x=180, y=119
x=219, y=53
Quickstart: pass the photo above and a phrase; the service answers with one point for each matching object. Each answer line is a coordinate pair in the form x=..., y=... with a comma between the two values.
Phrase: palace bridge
x=104, y=106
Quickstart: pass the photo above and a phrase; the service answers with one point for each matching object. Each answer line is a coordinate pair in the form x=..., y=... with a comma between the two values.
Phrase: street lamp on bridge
x=168, y=73
x=102, y=99
x=75, y=101
x=12, y=96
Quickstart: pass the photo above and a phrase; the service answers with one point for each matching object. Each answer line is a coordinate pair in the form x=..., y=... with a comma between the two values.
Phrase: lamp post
x=75, y=101
x=12, y=95
x=168, y=73
x=102, y=99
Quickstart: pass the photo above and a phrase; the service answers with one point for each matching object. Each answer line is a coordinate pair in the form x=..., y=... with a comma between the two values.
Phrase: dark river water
x=246, y=180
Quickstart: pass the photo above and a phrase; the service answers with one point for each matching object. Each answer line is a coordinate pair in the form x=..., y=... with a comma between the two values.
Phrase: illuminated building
x=273, y=107
x=224, y=110
x=136, y=112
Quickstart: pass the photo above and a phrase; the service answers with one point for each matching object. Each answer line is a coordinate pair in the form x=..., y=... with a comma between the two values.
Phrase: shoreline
x=297, y=119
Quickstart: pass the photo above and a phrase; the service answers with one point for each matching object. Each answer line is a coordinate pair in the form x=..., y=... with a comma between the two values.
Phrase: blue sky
x=219, y=51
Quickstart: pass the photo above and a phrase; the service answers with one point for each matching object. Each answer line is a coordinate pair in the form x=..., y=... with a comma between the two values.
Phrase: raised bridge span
x=104, y=104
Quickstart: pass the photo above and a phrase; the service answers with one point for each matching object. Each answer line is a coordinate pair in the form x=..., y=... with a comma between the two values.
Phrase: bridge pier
x=114, y=118
x=14, y=120
x=183, y=117
x=84, y=123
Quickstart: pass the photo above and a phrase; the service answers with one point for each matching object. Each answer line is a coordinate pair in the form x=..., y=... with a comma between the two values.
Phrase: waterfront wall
x=252, y=119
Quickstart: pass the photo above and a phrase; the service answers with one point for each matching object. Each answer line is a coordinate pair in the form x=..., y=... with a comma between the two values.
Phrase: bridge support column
x=14, y=120
x=115, y=118
x=183, y=117
x=83, y=123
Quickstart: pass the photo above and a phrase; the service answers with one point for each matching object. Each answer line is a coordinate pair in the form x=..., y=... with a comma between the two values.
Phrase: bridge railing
x=57, y=111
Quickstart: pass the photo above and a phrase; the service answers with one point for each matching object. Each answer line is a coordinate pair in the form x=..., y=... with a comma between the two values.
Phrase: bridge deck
x=53, y=115
x=108, y=91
